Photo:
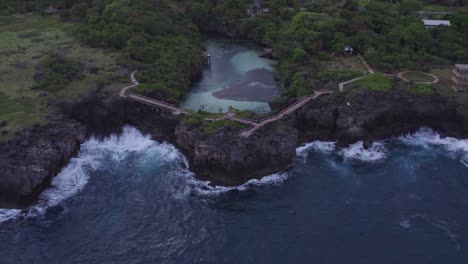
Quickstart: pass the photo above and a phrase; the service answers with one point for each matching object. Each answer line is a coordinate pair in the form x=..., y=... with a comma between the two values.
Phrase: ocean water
x=230, y=63
x=128, y=199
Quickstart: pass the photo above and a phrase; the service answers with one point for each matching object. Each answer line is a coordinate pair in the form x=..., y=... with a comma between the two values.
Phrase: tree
x=79, y=11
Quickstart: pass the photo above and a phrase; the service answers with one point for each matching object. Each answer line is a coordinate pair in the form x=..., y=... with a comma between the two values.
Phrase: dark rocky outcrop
x=227, y=159
x=367, y=116
x=28, y=163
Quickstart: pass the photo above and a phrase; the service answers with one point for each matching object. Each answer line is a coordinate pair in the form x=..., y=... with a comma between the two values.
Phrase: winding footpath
x=253, y=125
x=369, y=71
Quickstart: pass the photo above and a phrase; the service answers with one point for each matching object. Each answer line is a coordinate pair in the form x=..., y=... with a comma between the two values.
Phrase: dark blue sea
x=128, y=199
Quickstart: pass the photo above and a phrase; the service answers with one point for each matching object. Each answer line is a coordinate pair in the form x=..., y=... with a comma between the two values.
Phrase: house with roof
x=430, y=23
x=256, y=8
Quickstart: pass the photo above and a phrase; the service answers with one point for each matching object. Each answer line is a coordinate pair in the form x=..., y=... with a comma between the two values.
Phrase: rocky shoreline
x=29, y=162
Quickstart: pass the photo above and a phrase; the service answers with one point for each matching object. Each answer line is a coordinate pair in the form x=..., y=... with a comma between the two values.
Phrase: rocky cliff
x=367, y=116
x=225, y=158
x=28, y=163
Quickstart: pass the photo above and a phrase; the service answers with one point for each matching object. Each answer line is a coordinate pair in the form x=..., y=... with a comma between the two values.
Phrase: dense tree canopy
x=162, y=37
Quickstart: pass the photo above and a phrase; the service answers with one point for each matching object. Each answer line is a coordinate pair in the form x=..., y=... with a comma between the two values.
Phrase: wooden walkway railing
x=254, y=125
x=290, y=109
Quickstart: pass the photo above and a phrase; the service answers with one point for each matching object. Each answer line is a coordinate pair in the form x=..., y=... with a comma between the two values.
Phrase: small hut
x=256, y=8
x=348, y=51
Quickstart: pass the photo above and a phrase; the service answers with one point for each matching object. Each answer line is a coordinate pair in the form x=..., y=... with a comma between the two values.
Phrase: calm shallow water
x=129, y=199
x=230, y=64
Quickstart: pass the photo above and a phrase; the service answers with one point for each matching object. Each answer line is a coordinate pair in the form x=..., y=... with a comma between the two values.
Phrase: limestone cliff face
x=227, y=159
x=353, y=116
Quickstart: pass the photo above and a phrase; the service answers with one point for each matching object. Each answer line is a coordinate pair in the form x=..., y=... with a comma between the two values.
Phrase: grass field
x=345, y=63
x=27, y=39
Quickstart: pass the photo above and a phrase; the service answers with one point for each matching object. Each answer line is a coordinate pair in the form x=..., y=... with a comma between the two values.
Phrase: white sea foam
x=7, y=214
x=465, y=162
x=357, y=151
x=74, y=177
x=405, y=223
x=320, y=146
x=428, y=138
x=203, y=188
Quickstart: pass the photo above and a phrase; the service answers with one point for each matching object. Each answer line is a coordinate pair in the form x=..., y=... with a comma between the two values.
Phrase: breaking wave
x=357, y=151
x=74, y=177
x=204, y=189
x=116, y=148
x=354, y=152
x=428, y=138
x=425, y=138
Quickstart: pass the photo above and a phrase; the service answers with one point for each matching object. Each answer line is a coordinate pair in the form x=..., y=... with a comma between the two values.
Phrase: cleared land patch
x=25, y=41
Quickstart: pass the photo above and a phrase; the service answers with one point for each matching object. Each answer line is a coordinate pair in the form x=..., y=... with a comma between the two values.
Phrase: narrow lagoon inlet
x=237, y=77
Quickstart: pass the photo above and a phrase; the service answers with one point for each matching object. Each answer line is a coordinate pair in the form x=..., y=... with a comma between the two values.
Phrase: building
x=428, y=23
x=256, y=8
x=460, y=77
x=348, y=50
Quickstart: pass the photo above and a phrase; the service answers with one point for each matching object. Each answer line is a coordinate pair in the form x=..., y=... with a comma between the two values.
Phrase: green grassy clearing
x=376, y=82
x=341, y=69
x=421, y=89
x=27, y=39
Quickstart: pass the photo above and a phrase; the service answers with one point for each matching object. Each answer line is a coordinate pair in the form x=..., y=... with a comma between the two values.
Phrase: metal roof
x=429, y=22
x=462, y=66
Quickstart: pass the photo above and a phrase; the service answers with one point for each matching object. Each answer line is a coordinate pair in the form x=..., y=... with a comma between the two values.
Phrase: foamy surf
x=320, y=146
x=428, y=138
x=356, y=151
x=205, y=189
x=94, y=153
x=74, y=177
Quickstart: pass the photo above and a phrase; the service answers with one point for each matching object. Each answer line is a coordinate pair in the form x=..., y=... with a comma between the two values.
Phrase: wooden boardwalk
x=123, y=92
x=160, y=104
x=254, y=125
x=292, y=108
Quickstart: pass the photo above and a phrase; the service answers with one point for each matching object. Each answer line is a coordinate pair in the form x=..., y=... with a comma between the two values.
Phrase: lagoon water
x=128, y=199
x=237, y=66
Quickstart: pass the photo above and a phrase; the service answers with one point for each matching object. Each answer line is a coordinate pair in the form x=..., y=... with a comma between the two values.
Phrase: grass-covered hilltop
x=356, y=70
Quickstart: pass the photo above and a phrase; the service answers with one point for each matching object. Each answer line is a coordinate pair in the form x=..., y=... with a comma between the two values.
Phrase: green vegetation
x=211, y=127
x=55, y=72
x=161, y=39
x=199, y=121
x=376, y=82
x=422, y=89
x=26, y=44
x=155, y=39
x=304, y=34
